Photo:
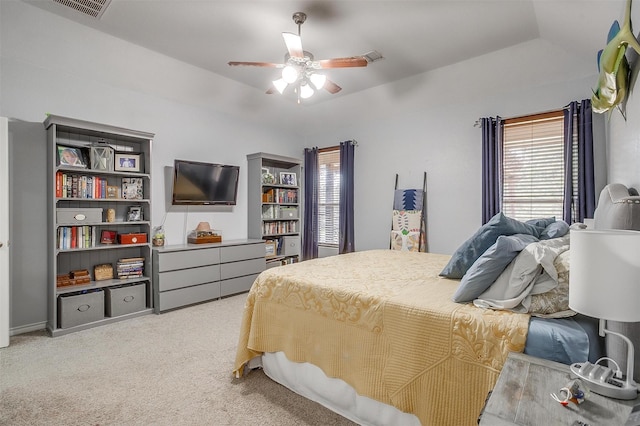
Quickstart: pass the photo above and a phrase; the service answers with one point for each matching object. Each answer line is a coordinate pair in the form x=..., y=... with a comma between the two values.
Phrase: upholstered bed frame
x=619, y=208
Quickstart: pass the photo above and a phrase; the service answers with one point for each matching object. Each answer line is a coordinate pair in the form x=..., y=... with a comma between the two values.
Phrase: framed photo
x=126, y=162
x=108, y=237
x=132, y=188
x=72, y=156
x=287, y=178
x=134, y=214
x=113, y=191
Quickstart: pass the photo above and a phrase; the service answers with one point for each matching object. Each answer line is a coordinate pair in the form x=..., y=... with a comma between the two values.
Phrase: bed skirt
x=310, y=381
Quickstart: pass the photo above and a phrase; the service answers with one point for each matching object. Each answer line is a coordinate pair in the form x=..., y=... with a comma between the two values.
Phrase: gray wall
x=423, y=123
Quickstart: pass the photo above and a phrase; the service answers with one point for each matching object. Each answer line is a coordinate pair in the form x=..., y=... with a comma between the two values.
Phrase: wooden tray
x=204, y=240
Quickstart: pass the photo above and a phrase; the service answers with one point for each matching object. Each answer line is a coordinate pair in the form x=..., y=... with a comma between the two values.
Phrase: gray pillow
x=542, y=222
x=556, y=230
x=490, y=265
x=484, y=238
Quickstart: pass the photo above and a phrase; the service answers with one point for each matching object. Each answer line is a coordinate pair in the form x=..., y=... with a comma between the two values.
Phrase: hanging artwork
x=613, y=81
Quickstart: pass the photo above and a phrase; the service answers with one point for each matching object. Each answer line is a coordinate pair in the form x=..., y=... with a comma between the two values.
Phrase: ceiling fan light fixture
x=318, y=80
x=306, y=91
x=289, y=74
x=280, y=85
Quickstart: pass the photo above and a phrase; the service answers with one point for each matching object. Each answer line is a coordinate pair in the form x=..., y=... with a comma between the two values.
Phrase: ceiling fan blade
x=331, y=87
x=256, y=64
x=354, y=61
x=294, y=45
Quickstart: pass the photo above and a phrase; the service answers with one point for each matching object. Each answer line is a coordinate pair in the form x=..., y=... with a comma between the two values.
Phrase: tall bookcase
x=98, y=216
x=275, y=205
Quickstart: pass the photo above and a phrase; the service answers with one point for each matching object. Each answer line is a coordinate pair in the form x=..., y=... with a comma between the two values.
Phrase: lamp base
x=600, y=380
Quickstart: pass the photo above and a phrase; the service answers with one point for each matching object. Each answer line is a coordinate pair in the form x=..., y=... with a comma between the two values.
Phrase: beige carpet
x=169, y=369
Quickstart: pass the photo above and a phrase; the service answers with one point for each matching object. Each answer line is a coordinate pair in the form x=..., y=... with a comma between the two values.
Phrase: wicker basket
x=103, y=272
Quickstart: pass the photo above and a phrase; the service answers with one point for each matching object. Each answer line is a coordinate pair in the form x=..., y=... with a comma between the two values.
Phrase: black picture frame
x=72, y=156
x=134, y=214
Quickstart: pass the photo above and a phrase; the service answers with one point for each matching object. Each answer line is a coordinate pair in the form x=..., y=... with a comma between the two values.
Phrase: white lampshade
x=280, y=85
x=289, y=74
x=604, y=279
x=318, y=80
x=306, y=91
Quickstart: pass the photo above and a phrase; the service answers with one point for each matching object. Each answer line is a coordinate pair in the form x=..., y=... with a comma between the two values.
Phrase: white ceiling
x=413, y=36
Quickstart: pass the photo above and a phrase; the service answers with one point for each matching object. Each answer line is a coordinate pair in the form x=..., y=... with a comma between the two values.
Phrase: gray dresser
x=191, y=273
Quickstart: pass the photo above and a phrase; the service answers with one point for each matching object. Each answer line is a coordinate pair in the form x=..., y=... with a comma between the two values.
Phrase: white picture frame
x=126, y=162
x=288, y=178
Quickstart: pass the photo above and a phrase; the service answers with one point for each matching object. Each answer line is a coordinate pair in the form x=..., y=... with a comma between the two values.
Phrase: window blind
x=533, y=166
x=328, y=196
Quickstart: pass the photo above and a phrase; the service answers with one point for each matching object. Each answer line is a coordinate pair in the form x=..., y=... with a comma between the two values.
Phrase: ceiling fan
x=300, y=69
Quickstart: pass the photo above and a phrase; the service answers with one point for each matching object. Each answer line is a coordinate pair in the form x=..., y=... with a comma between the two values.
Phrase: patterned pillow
x=406, y=220
x=554, y=303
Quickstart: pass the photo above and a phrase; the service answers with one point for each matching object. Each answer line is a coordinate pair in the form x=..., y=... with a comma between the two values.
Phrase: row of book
x=70, y=237
x=275, y=228
x=280, y=195
x=131, y=267
x=70, y=185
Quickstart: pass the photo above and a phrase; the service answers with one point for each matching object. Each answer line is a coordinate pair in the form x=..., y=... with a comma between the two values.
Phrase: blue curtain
x=580, y=205
x=346, y=243
x=310, y=230
x=491, y=166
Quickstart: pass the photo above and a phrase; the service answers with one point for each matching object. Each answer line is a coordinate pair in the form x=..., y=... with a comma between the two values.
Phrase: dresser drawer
x=237, y=285
x=247, y=251
x=245, y=267
x=189, y=295
x=188, y=277
x=171, y=261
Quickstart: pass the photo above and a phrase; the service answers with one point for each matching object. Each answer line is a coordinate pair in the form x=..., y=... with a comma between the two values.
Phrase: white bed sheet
x=310, y=381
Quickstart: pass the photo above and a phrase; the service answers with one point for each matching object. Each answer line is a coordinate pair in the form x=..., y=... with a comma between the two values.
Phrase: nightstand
x=522, y=396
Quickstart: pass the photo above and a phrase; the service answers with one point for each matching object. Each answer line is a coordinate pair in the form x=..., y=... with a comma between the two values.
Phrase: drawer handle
x=128, y=298
x=84, y=308
x=79, y=216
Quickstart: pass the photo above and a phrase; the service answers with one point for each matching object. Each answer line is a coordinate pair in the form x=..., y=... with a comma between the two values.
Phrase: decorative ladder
x=408, y=227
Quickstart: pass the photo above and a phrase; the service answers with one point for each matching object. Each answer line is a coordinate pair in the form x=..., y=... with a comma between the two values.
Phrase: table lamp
x=604, y=282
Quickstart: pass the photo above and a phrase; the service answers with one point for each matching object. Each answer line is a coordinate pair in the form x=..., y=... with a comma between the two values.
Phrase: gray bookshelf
x=77, y=198
x=275, y=206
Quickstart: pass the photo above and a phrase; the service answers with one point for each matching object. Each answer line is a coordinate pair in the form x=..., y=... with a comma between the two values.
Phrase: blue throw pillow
x=490, y=265
x=484, y=238
x=555, y=230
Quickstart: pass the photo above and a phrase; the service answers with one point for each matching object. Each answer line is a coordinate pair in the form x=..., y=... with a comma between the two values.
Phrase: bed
x=382, y=337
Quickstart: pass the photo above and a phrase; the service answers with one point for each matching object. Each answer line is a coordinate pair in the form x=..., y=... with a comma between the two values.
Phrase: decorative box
x=133, y=238
x=80, y=308
x=205, y=239
x=78, y=216
x=287, y=212
x=103, y=272
x=125, y=299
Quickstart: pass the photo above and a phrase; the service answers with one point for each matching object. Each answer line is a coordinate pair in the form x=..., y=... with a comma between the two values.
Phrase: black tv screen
x=204, y=183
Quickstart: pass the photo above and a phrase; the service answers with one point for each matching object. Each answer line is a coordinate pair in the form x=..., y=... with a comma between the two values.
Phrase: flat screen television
x=199, y=183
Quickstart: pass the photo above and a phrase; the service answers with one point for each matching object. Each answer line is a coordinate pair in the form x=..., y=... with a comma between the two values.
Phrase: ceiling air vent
x=373, y=56
x=93, y=8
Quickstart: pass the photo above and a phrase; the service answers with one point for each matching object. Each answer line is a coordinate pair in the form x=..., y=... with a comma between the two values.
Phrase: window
x=328, y=196
x=533, y=166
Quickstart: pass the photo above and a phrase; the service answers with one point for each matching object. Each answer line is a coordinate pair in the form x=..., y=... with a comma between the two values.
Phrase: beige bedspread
x=383, y=321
